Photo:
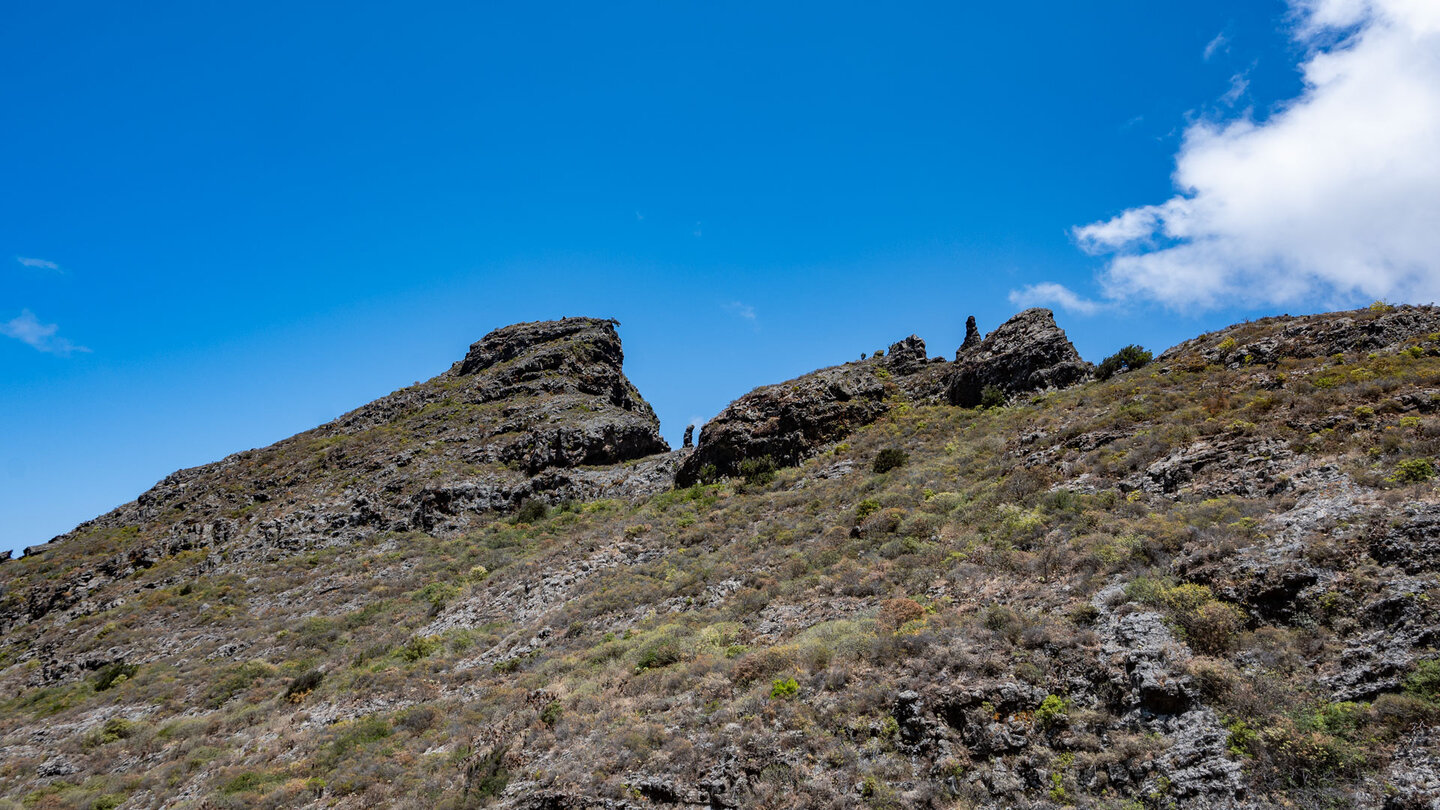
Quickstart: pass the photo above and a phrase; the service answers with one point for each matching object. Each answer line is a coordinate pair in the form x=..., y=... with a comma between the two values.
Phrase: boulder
x=1027, y=353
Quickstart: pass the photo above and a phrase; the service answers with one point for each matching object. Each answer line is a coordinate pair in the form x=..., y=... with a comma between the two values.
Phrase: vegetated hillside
x=1205, y=581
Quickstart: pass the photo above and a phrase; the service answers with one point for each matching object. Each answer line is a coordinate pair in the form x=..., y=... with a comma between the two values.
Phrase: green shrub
x=1127, y=359
x=889, y=459
x=303, y=685
x=112, y=675
x=354, y=734
x=661, y=652
x=865, y=509
x=1211, y=627
x=992, y=397
x=1424, y=681
x=1054, y=711
x=550, y=715
x=758, y=471
x=116, y=728
x=1413, y=471
x=531, y=511
x=243, y=783
x=418, y=647
x=784, y=688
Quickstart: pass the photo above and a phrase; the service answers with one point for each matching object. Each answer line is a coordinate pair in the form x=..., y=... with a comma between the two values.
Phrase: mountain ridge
x=1202, y=582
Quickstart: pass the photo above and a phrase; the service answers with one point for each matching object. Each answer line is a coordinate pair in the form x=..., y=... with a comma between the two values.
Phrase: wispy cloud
x=1239, y=83
x=38, y=264
x=28, y=329
x=1330, y=200
x=1054, y=295
x=742, y=310
x=1220, y=44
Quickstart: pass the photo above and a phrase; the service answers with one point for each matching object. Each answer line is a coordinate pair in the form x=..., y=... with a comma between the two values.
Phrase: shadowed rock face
x=538, y=395
x=1027, y=353
x=791, y=421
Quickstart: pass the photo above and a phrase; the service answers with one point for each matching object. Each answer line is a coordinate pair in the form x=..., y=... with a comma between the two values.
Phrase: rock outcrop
x=1027, y=353
x=1267, y=340
x=514, y=420
x=791, y=421
x=972, y=337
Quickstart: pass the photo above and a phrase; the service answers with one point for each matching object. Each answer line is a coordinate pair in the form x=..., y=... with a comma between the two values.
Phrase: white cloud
x=1053, y=295
x=1333, y=199
x=41, y=336
x=38, y=264
x=741, y=310
x=1239, y=83
x=1220, y=44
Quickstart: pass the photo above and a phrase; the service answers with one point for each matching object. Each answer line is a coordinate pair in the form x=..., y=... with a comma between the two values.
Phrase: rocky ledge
x=792, y=421
x=1027, y=353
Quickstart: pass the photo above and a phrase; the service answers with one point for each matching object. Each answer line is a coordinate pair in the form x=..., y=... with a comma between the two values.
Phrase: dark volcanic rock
x=790, y=422
x=906, y=356
x=972, y=337
x=1027, y=353
x=1412, y=542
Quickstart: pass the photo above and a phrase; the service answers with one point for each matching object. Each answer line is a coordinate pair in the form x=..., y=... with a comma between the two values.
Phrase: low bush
x=758, y=471
x=1413, y=471
x=784, y=688
x=531, y=511
x=889, y=459
x=303, y=685
x=112, y=675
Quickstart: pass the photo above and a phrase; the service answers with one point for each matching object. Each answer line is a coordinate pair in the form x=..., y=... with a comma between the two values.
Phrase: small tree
x=1127, y=359
x=992, y=397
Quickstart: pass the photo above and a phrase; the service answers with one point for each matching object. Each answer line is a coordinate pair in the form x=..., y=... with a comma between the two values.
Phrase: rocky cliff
x=1207, y=583
x=513, y=420
x=790, y=422
x=1026, y=353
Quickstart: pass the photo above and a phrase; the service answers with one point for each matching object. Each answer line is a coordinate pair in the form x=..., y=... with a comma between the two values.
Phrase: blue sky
x=225, y=223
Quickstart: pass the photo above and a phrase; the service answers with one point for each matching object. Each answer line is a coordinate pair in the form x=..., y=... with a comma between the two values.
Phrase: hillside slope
x=1209, y=582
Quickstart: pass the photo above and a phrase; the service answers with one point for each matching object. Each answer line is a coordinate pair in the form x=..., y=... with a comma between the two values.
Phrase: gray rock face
x=1027, y=353
x=1412, y=542
x=1310, y=336
x=906, y=356
x=791, y=421
x=517, y=418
